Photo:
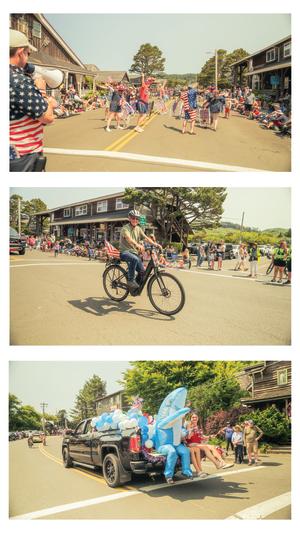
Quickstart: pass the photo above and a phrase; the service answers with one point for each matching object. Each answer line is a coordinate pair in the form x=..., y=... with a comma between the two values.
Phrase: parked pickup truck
x=118, y=455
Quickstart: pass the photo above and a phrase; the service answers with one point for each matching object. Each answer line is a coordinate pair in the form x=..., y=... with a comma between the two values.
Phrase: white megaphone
x=53, y=77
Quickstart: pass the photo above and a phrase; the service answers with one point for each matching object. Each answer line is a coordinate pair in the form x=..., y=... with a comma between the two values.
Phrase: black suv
x=16, y=244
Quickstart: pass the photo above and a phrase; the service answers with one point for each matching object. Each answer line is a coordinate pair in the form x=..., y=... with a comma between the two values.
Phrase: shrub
x=273, y=423
x=219, y=420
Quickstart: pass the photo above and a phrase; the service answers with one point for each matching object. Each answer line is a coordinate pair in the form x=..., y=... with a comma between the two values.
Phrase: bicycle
x=164, y=290
x=271, y=267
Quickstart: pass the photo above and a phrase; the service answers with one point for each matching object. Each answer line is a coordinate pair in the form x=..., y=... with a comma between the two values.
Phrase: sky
x=186, y=40
x=58, y=382
x=263, y=207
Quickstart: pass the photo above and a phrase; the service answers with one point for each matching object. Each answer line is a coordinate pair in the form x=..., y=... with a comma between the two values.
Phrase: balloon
x=149, y=443
x=143, y=421
x=94, y=421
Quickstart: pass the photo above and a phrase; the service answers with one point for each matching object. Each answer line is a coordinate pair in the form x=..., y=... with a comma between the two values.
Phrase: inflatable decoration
x=168, y=432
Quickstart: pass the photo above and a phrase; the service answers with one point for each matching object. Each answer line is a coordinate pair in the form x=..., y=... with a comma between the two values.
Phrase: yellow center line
x=120, y=143
x=133, y=135
x=96, y=478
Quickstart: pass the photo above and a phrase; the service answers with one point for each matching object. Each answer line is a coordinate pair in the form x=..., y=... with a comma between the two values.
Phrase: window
x=287, y=49
x=79, y=429
x=36, y=29
x=120, y=204
x=282, y=377
x=22, y=25
x=80, y=210
x=67, y=212
x=102, y=206
x=271, y=55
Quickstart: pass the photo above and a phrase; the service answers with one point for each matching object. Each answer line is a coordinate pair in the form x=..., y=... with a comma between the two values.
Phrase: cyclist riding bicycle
x=130, y=248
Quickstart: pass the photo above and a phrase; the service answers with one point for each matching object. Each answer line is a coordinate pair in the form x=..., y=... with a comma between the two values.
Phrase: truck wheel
x=68, y=463
x=111, y=470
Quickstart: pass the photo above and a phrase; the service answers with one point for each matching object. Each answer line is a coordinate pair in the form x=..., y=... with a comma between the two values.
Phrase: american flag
x=111, y=250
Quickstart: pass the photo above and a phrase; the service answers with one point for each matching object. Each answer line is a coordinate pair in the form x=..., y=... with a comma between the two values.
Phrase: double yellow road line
x=125, y=139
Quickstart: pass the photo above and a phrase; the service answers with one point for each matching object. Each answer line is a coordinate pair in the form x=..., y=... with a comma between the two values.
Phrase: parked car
x=37, y=436
x=118, y=455
x=12, y=436
x=16, y=242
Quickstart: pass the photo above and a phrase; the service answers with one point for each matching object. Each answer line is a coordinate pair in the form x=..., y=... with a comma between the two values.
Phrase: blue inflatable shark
x=168, y=433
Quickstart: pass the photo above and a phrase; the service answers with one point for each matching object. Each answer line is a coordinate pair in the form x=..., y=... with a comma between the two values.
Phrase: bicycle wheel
x=270, y=268
x=166, y=293
x=114, y=282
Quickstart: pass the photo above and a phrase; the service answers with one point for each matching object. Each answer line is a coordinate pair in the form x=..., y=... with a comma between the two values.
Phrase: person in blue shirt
x=215, y=106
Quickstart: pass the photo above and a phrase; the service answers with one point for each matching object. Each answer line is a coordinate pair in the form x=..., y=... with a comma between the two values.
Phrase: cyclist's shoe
x=132, y=285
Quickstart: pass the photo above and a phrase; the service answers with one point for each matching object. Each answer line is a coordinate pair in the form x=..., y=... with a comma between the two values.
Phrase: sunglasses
x=134, y=218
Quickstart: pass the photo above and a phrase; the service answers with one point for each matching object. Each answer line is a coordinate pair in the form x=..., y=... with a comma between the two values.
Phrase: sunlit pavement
x=40, y=487
x=237, y=142
x=62, y=301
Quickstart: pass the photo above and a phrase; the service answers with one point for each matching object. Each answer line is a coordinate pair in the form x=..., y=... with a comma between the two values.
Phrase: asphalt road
x=62, y=301
x=40, y=487
x=238, y=142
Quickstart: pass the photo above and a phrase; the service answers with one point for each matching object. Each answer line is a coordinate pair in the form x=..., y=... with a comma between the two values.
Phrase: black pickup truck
x=118, y=455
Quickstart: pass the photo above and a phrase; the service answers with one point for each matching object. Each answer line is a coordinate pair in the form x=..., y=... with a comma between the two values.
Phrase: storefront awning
x=269, y=69
x=87, y=221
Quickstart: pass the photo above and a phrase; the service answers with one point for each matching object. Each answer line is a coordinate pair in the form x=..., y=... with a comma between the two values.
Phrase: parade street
x=62, y=301
x=238, y=142
x=40, y=487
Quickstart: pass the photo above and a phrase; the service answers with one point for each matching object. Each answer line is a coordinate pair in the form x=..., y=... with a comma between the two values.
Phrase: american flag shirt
x=26, y=106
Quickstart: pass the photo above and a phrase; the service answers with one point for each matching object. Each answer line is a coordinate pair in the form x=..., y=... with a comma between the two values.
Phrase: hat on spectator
x=17, y=39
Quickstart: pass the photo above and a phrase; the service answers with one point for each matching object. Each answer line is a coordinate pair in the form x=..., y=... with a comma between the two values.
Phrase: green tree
x=219, y=394
x=179, y=208
x=28, y=209
x=148, y=60
x=225, y=59
x=85, y=402
x=62, y=419
x=22, y=416
x=153, y=380
x=31, y=207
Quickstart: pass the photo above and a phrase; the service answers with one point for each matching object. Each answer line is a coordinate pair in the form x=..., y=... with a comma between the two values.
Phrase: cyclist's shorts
x=279, y=262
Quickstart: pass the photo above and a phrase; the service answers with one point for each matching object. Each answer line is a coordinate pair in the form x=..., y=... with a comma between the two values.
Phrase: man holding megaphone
x=30, y=109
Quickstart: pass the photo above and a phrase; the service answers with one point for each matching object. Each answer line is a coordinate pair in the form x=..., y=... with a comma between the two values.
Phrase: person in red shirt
x=143, y=102
x=196, y=442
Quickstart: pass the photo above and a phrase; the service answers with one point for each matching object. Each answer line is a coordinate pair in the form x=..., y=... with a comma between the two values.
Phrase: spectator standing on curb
x=253, y=255
x=30, y=108
x=280, y=254
x=227, y=432
x=252, y=434
x=238, y=444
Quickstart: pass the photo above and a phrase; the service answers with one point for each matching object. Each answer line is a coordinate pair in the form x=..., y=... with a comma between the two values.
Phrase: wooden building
x=53, y=51
x=267, y=70
x=110, y=402
x=99, y=218
x=268, y=383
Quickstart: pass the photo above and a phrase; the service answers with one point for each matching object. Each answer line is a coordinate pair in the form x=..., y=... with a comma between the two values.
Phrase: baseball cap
x=17, y=39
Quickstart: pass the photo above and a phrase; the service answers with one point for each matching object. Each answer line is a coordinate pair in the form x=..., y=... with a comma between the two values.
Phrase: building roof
x=278, y=66
x=42, y=19
x=92, y=67
x=102, y=218
x=110, y=395
x=262, y=50
x=42, y=58
x=112, y=75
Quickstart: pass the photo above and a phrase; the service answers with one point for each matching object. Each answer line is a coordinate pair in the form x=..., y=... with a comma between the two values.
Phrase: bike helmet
x=134, y=213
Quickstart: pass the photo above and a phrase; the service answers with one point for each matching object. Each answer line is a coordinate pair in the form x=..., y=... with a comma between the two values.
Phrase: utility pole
x=43, y=406
x=216, y=68
x=19, y=215
x=242, y=226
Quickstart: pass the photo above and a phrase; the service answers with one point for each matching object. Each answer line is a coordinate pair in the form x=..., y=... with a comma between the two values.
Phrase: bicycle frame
x=151, y=267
